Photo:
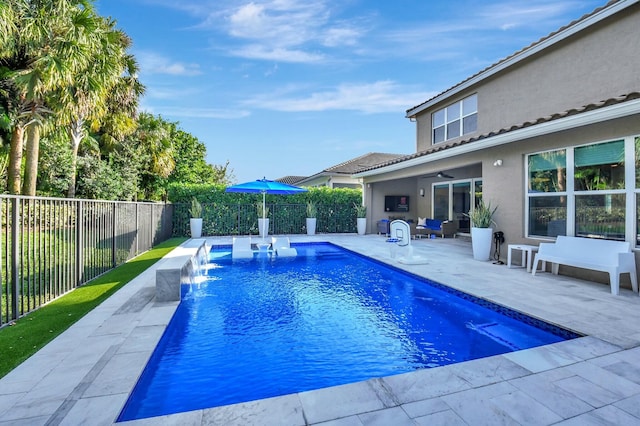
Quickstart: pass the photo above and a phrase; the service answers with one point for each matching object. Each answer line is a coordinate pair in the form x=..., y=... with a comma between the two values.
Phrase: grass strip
x=33, y=331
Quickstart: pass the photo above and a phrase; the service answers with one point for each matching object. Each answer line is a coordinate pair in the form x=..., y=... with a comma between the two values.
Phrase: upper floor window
x=455, y=120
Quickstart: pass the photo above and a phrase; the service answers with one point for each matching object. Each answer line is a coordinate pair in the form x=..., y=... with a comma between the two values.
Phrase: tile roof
x=290, y=180
x=574, y=111
x=363, y=162
x=519, y=52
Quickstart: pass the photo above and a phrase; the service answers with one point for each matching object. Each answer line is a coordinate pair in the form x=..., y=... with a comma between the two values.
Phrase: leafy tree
x=152, y=141
x=110, y=176
x=55, y=164
x=98, y=180
x=168, y=154
x=191, y=166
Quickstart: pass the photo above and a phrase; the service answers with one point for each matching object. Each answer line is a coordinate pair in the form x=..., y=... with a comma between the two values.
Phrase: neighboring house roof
x=568, y=30
x=620, y=100
x=355, y=165
x=291, y=180
x=364, y=161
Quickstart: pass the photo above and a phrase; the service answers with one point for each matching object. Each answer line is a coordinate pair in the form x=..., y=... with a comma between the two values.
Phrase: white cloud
x=157, y=91
x=341, y=37
x=297, y=31
x=369, y=98
x=290, y=31
x=190, y=112
x=271, y=71
x=153, y=63
x=472, y=36
x=280, y=54
x=303, y=31
x=516, y=14
x=284, y=23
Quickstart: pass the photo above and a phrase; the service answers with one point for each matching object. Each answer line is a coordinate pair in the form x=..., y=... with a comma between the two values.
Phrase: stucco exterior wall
x=332, y=181
x=375, y=208
x=596, y=64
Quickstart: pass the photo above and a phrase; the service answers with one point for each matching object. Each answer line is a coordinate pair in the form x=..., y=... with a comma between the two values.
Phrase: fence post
x=79, y=243
x=15, y=293
x=137, y=228
x=151, y=225
x=114, y=233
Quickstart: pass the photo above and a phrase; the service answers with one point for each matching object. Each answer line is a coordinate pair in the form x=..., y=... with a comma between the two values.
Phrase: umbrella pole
x=264, y=215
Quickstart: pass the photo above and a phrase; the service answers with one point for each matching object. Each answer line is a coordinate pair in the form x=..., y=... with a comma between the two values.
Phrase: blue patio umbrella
x=264, y=186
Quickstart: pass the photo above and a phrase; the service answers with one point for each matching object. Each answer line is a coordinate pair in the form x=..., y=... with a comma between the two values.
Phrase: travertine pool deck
x=84, y=376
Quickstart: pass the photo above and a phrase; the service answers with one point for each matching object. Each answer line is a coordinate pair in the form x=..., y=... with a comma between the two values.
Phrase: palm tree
x=106, y=80
x=48, y=41
x=154, y=139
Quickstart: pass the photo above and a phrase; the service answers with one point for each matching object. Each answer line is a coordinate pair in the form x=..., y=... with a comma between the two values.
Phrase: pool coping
x=86, y=374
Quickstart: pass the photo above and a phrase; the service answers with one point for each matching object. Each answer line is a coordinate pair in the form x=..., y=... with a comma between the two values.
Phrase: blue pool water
x=266, y=327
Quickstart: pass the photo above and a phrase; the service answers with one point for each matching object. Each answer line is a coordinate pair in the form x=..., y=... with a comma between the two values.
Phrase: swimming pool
x=268, y=327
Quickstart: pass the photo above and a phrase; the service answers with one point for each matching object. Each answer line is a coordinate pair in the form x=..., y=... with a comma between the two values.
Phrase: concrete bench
x=614, y=257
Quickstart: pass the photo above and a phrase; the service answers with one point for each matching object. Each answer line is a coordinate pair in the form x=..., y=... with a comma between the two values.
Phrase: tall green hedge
x=208, y=194
x=237, y=213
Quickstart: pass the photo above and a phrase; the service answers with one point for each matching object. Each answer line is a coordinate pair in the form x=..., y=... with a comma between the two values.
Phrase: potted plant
x=196, y=218
x=263, y=220
x=361, y=213
x=481, y=232
x=312, y=214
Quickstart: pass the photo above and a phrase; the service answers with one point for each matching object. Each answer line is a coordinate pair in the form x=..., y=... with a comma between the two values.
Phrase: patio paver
x=85, y=375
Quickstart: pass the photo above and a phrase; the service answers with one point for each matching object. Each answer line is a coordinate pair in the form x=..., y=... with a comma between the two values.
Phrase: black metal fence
x=49, y=246
x=242, y=219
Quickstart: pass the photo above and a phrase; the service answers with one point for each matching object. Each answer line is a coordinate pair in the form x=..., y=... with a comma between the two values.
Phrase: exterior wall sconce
x=497, y=163
x=422, y=192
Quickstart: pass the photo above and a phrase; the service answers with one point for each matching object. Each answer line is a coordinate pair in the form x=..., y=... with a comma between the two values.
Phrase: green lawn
x=30, y=333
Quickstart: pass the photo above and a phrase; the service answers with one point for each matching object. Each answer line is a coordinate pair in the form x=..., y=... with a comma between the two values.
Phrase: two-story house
x=550, y=135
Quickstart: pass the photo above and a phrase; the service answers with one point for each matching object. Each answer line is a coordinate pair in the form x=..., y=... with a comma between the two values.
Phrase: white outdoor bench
x=614, y=257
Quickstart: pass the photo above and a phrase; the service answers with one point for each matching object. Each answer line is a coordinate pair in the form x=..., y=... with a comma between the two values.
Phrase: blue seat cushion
x=434, y=224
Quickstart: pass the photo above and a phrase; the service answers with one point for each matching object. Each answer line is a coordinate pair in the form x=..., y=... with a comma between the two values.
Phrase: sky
x=292, y=87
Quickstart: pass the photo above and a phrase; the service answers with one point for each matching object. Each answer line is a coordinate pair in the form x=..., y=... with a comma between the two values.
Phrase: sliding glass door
x=441, y=201
x=453, y=200
x=461, y=204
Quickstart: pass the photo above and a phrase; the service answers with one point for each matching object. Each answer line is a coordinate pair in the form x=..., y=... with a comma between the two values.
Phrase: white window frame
x=450, y=184
x=461, y=116
x=630, y=190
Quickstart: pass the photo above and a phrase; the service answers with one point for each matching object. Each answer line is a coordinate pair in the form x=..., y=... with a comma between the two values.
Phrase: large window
x=599, y=171
x=578, y=191
x=599, y=167
x=547, y=188
x=455, y=120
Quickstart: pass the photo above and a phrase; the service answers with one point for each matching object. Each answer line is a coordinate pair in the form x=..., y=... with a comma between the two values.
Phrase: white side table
x=527, y=255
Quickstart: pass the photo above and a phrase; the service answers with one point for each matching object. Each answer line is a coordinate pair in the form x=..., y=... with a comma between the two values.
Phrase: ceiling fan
x=441, y=175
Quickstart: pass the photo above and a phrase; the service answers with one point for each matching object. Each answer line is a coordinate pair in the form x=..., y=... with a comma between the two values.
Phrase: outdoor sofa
x=428, y=227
